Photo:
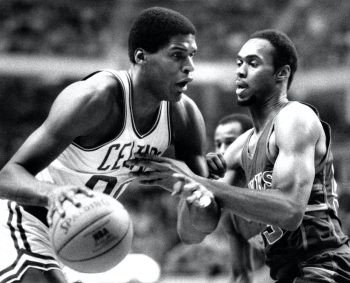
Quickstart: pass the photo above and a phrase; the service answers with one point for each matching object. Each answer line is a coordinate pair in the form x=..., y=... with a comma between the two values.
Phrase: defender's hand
x=161, y=170
x=160, y=164
x=194, y=193
x=216, y=164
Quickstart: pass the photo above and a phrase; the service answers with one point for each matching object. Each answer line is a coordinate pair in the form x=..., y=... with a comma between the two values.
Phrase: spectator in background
x=247, y=261
x=228, y=129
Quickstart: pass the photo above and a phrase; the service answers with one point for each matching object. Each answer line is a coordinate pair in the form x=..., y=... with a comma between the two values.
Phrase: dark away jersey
x=320, y=228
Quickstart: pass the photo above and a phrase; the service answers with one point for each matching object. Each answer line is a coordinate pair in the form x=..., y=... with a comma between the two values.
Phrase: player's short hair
x=285, y=51
x=243, y=119
x=154, y=27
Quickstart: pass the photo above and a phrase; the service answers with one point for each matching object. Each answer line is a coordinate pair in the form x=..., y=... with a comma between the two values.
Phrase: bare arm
x=68, y=117
x=297, y=131
x=194, y=223
x=296, y=136
x=237, y=229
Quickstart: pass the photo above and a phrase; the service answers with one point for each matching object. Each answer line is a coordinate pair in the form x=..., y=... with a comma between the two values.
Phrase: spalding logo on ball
x=93, y=237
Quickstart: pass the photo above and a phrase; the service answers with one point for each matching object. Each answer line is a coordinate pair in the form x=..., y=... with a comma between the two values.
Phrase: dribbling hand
x=61, y=194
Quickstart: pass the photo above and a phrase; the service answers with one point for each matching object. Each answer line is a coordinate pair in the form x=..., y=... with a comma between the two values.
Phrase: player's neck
x=143, y=98
x=266, y=111
x=145, y=105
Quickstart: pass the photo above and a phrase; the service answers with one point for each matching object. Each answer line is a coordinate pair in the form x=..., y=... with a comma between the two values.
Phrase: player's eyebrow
x=183, y=47
x=253, y=56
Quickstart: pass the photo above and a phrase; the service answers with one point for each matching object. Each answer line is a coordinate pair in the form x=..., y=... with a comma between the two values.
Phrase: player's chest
x=262, y=145
x=108, y=128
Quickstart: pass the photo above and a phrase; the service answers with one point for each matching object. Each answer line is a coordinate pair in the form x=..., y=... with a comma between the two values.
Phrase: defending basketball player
x=247, y=259
x=93, y=127
x=288, y=163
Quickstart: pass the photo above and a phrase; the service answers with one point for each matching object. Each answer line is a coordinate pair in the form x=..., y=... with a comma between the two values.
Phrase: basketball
x=93, y=237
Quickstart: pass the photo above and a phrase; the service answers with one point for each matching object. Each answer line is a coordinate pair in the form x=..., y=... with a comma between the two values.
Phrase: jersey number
x=273, y=234
x=110, y=182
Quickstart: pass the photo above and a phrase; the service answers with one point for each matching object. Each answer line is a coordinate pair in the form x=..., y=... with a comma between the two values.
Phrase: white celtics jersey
x=102, y=168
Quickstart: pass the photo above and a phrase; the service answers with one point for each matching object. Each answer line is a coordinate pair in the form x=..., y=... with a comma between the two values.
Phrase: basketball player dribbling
x=288, y=163
x=93, y=127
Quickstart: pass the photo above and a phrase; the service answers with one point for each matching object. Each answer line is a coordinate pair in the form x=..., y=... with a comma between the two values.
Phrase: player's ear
x=283, y=73
x=140, y=56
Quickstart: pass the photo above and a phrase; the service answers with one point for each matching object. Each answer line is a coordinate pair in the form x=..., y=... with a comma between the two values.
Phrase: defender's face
x=226, y=134
x=169, y=69
x=255, y=71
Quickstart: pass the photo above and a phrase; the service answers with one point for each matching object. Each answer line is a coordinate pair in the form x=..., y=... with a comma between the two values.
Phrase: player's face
x=225, y=135
x=169, y=69
x=255, y=72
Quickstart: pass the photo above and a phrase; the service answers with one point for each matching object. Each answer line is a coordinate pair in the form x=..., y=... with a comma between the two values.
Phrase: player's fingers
x=86, y=191
x=153, y=165
x=200, y=198
x=203, y=201
x=177, y=187
x=179, y=182
x=222, y=159
x=150, y=157
x=191, y=189
x=50, y=215
x=217, y=158
x=142, y=175
x=150, y=182
x=148, y=177
x=212, y=165
x=194, y=196
x=71, y=196
x=57, y=206
x=214, y=176
x=223, y=165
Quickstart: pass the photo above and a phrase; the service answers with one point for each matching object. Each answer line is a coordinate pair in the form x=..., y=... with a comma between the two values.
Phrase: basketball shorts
x=328, y=267
x=24, y=243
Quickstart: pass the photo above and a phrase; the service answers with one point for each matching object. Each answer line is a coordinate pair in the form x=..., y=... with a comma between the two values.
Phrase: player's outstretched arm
x=190, y=144
x=296, y=133
x=194, y=221
x=67, y=119
x=196, y=202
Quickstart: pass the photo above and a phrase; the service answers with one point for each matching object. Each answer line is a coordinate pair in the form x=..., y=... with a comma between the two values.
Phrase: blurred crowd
x=54, y=27
x=319, y=28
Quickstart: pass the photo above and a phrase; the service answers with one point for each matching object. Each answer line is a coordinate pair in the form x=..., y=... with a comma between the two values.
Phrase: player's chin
x=246, y=101
x=176, y=97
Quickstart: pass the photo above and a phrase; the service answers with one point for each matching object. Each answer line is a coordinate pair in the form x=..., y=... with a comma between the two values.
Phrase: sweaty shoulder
x=298, y=126
x=102, y=95
x=188, y=126
x=185, y=107
x=103, y=88
x=91, y=100
x=298, y=117
x=185, y=113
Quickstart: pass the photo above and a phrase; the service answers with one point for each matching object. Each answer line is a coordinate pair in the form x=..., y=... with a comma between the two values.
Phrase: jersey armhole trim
x=119, y=79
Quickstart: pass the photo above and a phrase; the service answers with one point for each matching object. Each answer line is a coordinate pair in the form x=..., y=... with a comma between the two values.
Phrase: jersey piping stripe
x=24, y=261
x=121, y=188
x=21, y=230
x=316, y=207
x=9, y=224
x=125, y=117
x=132, y=116
x=169, y=124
